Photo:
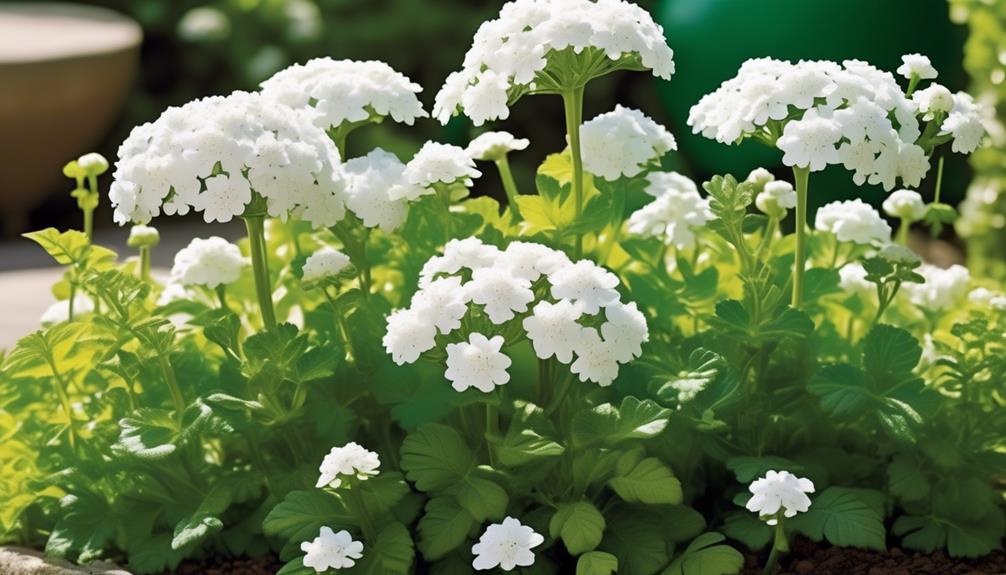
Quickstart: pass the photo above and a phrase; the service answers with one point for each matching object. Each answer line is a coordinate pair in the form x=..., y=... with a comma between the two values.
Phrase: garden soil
x=809, y=559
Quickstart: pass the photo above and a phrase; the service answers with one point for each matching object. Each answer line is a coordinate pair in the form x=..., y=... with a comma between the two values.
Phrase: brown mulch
x=807, y=558
x=219, y=566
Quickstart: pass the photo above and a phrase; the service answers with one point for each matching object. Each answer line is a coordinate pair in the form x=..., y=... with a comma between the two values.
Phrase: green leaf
x=435, y=457
x=280, y=346
x=483, y=498
x=645, y=480
x=580, y=526
x=391, y=554
x=151, y=433
x=444, y=527
x=525, y=441
x=746, y=469
x=205, y=520
x=906, y=480
x=748, y=529
x=890, y=354
x=296, y=567
x=70, y=247
x=637, y=540
x=596, y=563
x=962, y=538
x=302, y=514
x=704, y=556
x=844, y=518
x=83, y=529
x=633, y=419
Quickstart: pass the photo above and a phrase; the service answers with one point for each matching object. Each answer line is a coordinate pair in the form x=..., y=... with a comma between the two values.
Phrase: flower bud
x=777, y=197
x=141, y=236
x=93, y=164
x=906, y=205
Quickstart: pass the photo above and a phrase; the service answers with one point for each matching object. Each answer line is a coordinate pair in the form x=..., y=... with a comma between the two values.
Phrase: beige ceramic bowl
x=65, y=71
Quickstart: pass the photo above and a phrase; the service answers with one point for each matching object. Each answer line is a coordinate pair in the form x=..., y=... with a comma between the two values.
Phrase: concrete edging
x=21, y=561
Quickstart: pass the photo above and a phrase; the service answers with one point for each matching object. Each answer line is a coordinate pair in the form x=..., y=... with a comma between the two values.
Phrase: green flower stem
x=255, y=225
x=359, y=507
x=169, y=379
x=902, y=236
x=64, y=400
x=509, y=185
x=939, y=180
x=779, y=546
x=767, y=237
x=222, y=296
x=572, y=101
x=801, y=175
x=145, y=263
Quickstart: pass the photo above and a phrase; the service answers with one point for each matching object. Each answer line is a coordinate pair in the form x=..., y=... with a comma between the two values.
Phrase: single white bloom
x=351, y=460
x=625, y=330
x=479, y=363
x=93, y=163
x=500, y=291
x=59, y=312
x=900, y=160
x=916, y=65
x=408, y=335
x=492, y=146
x=853, y=221
x=440, y=163
x=506, y=545
x=529, y=260
x=172, y=292
x=943, y=289
x=675, y=213
x=810, y=142
x=470, y=253
x=334, y=92
x=899, y=254
x=442, y=303
x=377, y=192
x=208, y=262
x=906, y=205
x=760, y=176
x=553, y=329
x=330, y=550
x=586, y=283
x=596, y=359
x=324, y=263
x=852, y=279
x=779, y=491
x=487, y=98
x=964, y=122
x=204, y=24
x=210, y=154
x=933, y=99
x=775, y=198
x=984, y=297
x=640, y=141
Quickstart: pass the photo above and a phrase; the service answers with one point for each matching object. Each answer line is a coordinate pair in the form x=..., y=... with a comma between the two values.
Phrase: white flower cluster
x=492, y=146
x=677, y=210
x=211, y=154
x=779, y=491
x=852, y=280
x=639, y=139
x=327, y=262
x=377, y=190
x=350, y=460
x=209, y=262
x=984, y=297
x=506, y=545
x=514, y=48
x=330, y=550
x=851, y=114
x=503, y=287
x=437, y=163
x=943, y=289
x=334, y=92
x=59, y=311
x=853, y=221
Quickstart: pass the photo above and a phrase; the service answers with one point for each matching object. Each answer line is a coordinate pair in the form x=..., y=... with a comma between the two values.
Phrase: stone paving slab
x=20, y=561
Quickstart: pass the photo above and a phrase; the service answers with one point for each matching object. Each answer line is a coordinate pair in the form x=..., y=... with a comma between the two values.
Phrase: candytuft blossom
x=675, y=213
x=217, y=154
x=377, y=190
x=437, y=163
x=325, y=263
x=641, y=141
x=477, y=363
x=916, y=65
x=209, y=262
x=853, y=221
x=779, y=491
x=330, y=550
x=491, y=295
x=906, y=205
x=506, y=545
x=492, y=146
x=349, y=461
x=943, y=288
x=337, y=92
x=520, y=51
